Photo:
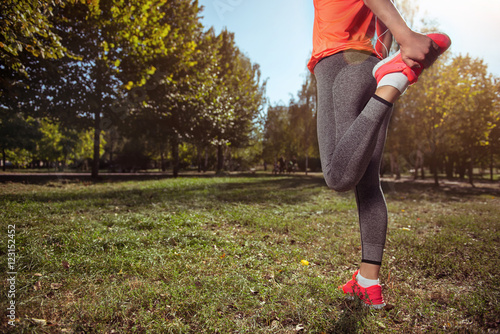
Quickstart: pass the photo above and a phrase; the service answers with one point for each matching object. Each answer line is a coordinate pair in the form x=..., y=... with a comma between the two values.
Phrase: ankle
x=388, y=93
x=369, y=271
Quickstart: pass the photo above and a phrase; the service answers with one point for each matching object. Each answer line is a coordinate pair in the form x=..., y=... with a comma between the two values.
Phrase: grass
x=223, y=255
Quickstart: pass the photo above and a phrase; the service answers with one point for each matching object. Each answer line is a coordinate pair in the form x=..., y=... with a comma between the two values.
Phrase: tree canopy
x=137, y=84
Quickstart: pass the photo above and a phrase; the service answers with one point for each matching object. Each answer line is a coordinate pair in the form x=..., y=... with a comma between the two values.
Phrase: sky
x=277, y=34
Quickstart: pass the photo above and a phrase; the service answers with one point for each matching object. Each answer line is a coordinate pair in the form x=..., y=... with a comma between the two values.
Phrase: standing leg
x=372, y=211
x=352, y=126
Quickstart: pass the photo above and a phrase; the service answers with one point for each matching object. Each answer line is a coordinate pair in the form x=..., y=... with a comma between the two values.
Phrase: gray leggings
x=352, y=127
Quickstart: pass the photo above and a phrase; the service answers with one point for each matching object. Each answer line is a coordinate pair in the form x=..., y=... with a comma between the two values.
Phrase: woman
x=356, y=92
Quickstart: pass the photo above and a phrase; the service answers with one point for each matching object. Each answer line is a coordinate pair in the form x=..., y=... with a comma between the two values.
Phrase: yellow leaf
x=151, y=70
x=304, y=262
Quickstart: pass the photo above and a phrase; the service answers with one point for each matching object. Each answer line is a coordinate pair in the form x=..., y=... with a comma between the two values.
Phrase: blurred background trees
x=131, y=85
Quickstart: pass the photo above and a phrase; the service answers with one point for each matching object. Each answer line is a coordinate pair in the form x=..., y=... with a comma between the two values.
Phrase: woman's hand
x=417, y=50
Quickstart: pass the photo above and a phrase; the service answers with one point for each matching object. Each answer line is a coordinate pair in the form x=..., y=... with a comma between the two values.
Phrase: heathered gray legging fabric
x=352, y=127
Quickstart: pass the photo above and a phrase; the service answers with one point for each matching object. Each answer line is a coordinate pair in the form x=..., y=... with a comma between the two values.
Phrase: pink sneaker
x=372, y=296
x=348, y=288
x=394, y=63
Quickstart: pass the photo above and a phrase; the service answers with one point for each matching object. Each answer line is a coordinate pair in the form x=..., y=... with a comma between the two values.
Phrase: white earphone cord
x=379, y=37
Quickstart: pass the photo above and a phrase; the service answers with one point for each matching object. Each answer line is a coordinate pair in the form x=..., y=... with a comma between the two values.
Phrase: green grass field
x=225, y=255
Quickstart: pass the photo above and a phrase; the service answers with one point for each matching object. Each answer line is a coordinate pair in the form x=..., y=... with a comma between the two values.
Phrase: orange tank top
x=341, y=25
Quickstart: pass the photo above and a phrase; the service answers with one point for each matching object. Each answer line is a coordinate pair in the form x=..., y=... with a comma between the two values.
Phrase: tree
x=304, y=119
x=276, y=134
x=16, y=132
x=447, y=117
x=60, y=146
x=170, y=100
x=115, y=46
x=291, y=130
x=472, y=109
x=238, y=98
x=25, y=26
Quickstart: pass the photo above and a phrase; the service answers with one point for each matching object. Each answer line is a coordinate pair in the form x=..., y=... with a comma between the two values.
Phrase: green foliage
x=26, y=27
x=447, y=116
x=66, y=147
x=290, y=131
x=18, y=132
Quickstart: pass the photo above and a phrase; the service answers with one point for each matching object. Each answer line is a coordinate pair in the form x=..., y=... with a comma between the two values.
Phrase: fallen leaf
x=41, y=322
x=299, y=327
x=38, y=275
x=65, y=264
x=304, y=262
x=55, y=286
x=37, y=286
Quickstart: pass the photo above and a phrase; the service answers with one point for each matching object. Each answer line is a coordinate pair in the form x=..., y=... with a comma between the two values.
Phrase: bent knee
x=339, y=184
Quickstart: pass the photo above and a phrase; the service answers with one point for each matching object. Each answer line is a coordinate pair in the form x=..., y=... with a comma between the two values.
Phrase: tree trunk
x=111, y=159
x=205, y=166
x=228, y=158
x=162, y=156
x=395, y=165
x=307, y=162
x=3, y=159
x=220, y=158
x=422, y=172
x=175, y=156
x=449, y=166
x=198, y=159
x=416, y=164
x=419, y=164
x=461, y=169
x=97, y=144
x=162, y=161
x=435, y=171
x=471, y=168
x=491, y=163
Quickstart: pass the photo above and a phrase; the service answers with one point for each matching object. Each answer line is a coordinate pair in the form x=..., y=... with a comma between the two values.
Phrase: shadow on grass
x=69, y=178
x=250, y=190
x=447, y=189
x=65, y=178
x=285, y=190
x=351, y=319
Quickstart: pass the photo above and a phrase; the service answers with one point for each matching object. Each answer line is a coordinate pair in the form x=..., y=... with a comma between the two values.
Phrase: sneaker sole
x=384, y=61
x=410, y=74
x=376, y=307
